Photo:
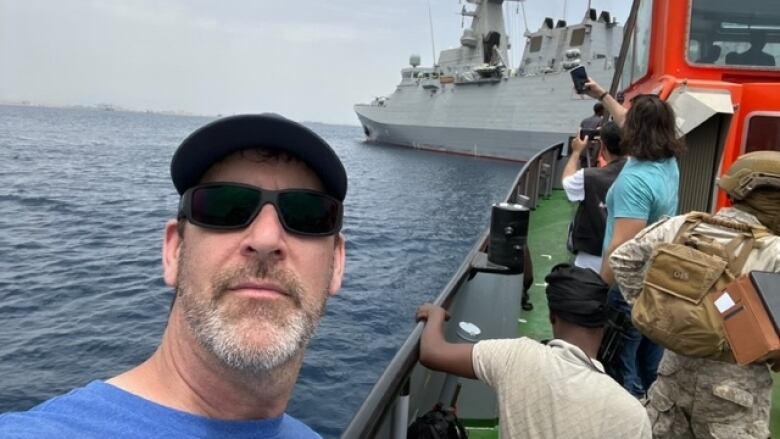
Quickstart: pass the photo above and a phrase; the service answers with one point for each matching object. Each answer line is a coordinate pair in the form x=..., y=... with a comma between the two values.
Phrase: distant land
x=112, y=107
x=105, y=107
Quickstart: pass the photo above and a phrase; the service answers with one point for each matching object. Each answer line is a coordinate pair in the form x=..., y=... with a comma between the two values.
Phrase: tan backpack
x=674, y=308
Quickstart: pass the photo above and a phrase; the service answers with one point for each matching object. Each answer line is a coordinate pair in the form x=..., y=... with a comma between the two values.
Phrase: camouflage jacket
x=629, y=260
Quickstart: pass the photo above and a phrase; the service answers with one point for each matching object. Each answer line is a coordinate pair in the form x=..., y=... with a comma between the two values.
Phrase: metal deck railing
x=535, y=180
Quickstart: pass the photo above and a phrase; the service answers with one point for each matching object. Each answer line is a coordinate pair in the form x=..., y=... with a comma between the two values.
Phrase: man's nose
x=265, y=235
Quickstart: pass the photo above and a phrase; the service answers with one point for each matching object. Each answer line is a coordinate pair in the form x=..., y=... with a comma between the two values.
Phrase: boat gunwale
x=367, y=419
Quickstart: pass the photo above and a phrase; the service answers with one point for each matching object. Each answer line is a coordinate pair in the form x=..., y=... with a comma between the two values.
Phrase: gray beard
x=221, y=327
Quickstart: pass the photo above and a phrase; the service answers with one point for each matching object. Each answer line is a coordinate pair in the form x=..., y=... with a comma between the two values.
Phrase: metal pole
x=433, y=45
x=401, y=413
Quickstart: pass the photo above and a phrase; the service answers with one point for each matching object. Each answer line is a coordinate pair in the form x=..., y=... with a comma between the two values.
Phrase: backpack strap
x=738, y=262
x=746, y=238
x=750, y=234
x=748, y=244
x=692, y=220
x=758, y=232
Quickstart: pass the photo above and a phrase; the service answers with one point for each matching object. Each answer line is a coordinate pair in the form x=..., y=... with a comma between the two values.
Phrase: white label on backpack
x=724, y=302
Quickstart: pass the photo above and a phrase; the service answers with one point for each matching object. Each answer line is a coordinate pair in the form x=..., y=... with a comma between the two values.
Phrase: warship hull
x=509, y=119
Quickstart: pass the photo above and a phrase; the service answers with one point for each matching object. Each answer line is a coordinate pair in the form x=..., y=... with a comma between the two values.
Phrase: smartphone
x=579, y=77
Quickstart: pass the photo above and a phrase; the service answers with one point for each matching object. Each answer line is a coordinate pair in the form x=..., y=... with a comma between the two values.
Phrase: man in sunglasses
x=253, y=256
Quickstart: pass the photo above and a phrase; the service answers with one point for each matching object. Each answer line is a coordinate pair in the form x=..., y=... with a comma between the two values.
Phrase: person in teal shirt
x=646, y=189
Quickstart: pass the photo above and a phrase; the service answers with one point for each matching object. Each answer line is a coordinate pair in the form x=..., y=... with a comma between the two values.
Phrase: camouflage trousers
x=697, y=398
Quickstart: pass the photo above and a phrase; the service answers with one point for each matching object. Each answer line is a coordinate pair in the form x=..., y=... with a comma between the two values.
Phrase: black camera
x=592, y=134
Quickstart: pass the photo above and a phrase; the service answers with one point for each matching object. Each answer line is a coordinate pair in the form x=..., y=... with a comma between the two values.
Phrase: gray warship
x=471, y=102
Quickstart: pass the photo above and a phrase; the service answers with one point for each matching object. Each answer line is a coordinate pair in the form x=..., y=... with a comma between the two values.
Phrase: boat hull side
x=492, y=143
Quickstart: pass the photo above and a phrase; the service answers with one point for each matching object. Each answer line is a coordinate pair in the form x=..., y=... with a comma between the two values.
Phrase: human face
x=253, y=297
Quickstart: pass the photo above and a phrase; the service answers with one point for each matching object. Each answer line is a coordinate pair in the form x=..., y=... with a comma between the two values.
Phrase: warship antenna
x=433, y=45
x=507, y=11
x=525, y=19
x=587, y=11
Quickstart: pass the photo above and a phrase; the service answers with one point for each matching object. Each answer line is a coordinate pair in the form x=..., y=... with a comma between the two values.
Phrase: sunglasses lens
x=224, y=206
x=309, y=213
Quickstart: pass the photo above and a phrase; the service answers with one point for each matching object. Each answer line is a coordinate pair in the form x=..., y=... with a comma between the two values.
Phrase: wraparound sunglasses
x=233, y=206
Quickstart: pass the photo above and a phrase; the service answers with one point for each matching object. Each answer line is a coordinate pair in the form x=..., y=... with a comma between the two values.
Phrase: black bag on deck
x=438, y=423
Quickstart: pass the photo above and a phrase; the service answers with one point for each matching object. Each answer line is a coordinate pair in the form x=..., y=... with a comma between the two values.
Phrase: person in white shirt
x=551, y=390
x=589, y=186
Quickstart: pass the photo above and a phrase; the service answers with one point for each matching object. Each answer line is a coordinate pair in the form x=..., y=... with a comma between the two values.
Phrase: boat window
x=744, y=33
x=406, y=75
x=763, y=133
x=536, y=44
x=577, y=37
x=638, y=55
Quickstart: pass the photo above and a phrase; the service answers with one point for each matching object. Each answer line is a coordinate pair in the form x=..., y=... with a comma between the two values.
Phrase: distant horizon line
x=118, y=108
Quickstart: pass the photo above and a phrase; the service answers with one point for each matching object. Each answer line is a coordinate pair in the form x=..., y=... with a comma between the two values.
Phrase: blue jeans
x=637, y=363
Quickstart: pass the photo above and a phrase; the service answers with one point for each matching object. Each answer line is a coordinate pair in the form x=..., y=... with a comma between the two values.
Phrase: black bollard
x=508, y=235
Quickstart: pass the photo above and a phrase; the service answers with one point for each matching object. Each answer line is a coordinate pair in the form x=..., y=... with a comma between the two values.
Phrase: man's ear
x=170, y=253
x=339, y=261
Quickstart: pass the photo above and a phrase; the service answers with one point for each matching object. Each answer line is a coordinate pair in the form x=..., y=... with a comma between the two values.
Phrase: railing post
x=401, y=413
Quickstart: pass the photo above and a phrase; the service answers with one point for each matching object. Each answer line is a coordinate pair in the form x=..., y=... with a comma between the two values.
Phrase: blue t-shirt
x=101, y=410
x=644, y=190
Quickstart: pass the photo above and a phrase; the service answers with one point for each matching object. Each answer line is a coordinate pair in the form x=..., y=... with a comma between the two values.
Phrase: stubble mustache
x=265, y=270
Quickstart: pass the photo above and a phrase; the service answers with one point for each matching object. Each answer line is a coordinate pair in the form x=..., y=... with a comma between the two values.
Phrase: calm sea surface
x=84, y=196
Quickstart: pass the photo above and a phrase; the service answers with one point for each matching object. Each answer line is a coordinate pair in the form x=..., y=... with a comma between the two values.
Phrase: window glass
x=536, y=44
x=644, y=20
x=763, y=133
x=625, y=76
x=637, y=59
x=577, y=37
x=743, y=33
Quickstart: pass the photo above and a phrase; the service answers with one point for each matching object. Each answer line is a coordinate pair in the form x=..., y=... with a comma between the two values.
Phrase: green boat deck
x=548, y=229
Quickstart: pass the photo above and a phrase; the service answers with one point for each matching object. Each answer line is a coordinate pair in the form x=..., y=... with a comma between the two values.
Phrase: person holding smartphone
x=589, y=187
x=592, y=124
x=253, y=255
x=645, y=190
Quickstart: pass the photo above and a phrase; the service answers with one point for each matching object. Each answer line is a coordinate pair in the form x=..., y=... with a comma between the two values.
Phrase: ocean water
x=84, y=195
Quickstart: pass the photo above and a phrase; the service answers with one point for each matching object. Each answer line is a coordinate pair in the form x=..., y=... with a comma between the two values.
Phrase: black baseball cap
x=218, y=139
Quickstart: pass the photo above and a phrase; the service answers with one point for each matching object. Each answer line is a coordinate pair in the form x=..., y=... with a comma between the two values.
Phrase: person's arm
x=628, y=261
x=618, y=112
x=623, y=230
x=632, y=201
x=577, y=146
x=573, y=179
x=437, y=353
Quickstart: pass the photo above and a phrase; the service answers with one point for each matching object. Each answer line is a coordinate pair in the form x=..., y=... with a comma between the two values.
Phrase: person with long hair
x=646, y=189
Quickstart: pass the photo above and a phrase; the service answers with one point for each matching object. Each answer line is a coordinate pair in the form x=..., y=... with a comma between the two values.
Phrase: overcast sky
x=310, y=60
